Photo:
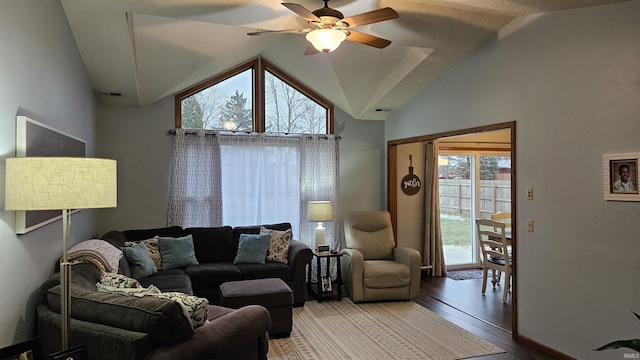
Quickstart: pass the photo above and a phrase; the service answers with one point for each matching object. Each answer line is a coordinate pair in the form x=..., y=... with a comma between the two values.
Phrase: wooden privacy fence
x=455, y=197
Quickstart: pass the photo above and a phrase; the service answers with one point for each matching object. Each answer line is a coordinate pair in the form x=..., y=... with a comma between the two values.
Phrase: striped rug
x=375, y=331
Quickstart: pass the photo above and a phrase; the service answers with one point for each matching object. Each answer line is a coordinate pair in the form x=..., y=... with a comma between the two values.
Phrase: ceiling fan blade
x=311, y=50
x=368, y=39
x=291, y=31
x=302, y=11
x=371, y=17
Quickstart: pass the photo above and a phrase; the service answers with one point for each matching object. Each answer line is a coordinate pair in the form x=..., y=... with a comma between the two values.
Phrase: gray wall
x=137, y=138
x=571, y=81
x=41, y=76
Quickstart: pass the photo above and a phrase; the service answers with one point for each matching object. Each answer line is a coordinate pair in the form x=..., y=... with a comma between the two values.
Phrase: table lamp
x=320, y=211
x=61, y=183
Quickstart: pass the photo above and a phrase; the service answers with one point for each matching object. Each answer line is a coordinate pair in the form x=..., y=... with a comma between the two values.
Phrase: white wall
x=41, y=76
x=571, y=81
x=137, y=138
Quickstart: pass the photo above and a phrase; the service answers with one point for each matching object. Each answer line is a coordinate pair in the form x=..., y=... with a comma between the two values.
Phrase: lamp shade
x=320, y=211
x=326, y=40
x=58, y=183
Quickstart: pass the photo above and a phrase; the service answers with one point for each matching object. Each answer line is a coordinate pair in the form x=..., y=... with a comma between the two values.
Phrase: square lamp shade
x=61, y=183
x=58, y=183
x=320, y=211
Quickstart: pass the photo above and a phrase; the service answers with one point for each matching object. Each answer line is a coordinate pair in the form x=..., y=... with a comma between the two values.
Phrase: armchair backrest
x=371, y=233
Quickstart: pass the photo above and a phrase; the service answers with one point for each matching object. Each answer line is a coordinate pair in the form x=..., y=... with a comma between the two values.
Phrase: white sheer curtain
x=195, y=186
x=260, y=179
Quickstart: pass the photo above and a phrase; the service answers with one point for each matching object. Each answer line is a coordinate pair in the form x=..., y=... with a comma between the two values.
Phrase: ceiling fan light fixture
x=326, y=40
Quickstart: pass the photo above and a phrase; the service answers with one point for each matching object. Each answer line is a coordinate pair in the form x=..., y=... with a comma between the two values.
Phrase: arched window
x=255, y=96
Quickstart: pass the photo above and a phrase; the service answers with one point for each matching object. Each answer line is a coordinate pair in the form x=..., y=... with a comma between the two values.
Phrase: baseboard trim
x=553, y=352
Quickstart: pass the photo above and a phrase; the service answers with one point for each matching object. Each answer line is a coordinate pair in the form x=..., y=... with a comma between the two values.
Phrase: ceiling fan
x=328, y=27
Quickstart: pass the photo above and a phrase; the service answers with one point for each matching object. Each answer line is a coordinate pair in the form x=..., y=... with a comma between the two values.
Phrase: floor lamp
x=61, y=183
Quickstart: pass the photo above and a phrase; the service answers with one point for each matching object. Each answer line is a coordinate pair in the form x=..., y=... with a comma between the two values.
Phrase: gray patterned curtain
x=319, y=180
x=195, y=188
x=432, y=250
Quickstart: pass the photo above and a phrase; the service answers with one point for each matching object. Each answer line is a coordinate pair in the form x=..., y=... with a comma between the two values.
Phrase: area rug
x=378, y=331
x=465, y=274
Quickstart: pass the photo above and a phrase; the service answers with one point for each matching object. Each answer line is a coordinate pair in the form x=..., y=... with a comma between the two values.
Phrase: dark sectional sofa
x=215, y=249
x=112, y=326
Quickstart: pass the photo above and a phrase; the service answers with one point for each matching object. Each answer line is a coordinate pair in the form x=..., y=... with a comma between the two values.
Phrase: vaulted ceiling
x=147, y=50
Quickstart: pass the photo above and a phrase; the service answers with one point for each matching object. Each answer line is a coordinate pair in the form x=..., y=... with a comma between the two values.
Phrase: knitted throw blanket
x=99, y=252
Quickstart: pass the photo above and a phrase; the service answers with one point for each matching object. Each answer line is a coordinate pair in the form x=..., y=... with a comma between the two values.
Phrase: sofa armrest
x=223, y=337
x=300, y=256
x=410, y=257
x=352, y=268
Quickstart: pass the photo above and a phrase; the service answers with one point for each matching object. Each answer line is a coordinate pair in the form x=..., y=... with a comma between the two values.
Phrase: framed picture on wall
x=621, y=173
x=34, y=138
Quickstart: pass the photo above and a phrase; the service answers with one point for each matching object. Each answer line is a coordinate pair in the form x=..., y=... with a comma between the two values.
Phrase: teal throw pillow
x=252, y=249
x=177, y=252
x=139, y=260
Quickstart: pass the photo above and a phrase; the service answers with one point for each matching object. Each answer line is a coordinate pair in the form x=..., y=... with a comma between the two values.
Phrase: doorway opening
x=474, y=175
x=480, y=164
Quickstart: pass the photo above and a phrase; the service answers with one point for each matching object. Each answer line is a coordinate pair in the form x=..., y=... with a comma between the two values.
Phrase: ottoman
x=272, y=293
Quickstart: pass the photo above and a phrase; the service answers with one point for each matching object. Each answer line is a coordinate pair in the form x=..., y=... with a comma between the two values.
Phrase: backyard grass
x=456, y=230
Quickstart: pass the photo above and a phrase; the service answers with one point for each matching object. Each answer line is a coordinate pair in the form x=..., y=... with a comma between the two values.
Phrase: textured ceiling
x=150, y=49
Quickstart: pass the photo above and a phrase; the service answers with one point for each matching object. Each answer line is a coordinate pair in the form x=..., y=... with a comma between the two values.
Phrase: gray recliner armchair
x=373, y=268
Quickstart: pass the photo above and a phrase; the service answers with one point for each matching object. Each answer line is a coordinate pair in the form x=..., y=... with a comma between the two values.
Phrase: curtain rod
x=173, y=132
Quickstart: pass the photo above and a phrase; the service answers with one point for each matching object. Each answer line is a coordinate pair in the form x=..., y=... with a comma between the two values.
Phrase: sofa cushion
x=140, y=262
x=168, y=280
x=270, y=269
x=255, y=229
x=373, y=244
x=137, y=235
x=177, y=252
x=194, y=307
x=152, y=249
x=279, y=242
x=213, y=244
x=115, y=238
x=162, y=319
x=252, y=249
x=382, y=274
x=210, y=275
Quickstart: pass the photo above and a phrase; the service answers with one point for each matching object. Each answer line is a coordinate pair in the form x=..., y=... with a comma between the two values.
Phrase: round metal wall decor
x=410, y=183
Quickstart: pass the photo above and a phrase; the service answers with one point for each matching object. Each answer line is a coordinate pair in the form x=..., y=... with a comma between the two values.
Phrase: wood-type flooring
x=462, y=303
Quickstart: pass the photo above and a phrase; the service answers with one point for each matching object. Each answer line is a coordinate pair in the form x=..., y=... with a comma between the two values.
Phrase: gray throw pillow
x=140, y=262
x=252, y=249
x=177, y=252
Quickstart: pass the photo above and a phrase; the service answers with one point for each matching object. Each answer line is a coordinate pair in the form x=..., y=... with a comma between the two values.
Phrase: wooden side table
x=335, y=287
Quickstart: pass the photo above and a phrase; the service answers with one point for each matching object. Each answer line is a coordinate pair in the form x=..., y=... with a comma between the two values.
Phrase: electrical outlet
x=529, y=193
x=530, y=225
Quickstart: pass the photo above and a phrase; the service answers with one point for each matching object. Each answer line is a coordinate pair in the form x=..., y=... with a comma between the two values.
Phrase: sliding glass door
x=471, y=185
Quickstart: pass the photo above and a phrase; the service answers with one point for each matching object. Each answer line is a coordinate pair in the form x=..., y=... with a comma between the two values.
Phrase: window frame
x=258, y=66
